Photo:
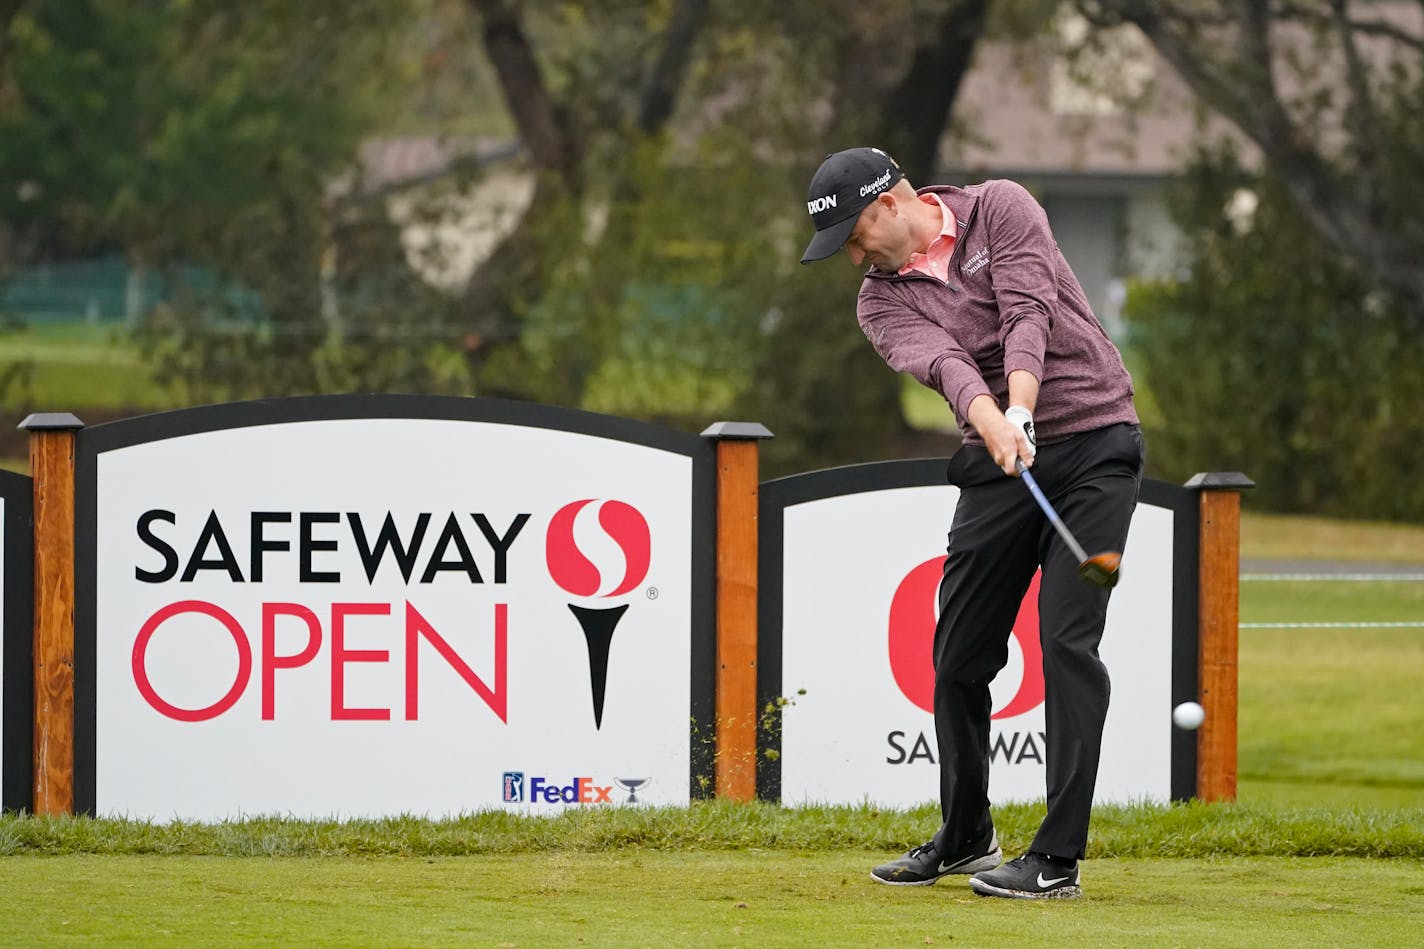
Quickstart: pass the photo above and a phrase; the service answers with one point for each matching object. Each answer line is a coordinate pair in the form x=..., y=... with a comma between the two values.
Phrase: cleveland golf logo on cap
x=876, y=186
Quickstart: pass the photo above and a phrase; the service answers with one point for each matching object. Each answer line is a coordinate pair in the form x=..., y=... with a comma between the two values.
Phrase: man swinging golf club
x=967, y=291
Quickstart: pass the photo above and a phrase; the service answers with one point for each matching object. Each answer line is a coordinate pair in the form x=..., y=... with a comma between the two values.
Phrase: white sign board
x=383, y=616
x=860, y=575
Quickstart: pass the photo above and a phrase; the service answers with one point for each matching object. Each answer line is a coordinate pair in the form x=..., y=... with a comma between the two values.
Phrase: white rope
x=1315, y=577
x=1411, y=625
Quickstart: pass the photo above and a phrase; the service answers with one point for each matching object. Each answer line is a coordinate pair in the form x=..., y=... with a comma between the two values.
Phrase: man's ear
x=889, y=203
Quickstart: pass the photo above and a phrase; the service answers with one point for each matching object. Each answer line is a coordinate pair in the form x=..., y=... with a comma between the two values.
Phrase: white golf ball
x=1188, y=716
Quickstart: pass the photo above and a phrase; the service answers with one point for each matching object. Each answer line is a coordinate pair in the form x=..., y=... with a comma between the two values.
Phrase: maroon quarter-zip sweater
x=1011, y=302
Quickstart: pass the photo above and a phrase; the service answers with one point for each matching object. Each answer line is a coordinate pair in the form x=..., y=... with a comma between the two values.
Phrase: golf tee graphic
x=576, y=531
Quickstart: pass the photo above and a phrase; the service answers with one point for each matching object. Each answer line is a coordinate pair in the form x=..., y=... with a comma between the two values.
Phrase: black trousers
x=998, y=539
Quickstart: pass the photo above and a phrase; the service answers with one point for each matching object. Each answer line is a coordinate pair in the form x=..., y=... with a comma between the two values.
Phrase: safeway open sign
x=851, y=563
x=387, y=605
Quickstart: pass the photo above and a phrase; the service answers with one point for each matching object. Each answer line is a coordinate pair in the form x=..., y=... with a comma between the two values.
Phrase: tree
x=1329, y=92
x=1288, y=366
x=204, y=133
x=609, y=95
x=681, y=89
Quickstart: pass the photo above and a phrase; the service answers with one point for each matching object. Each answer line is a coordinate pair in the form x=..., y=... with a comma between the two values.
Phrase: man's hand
x=1007, y=442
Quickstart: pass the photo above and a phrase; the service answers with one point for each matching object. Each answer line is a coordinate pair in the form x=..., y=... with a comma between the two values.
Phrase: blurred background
x=600, y=205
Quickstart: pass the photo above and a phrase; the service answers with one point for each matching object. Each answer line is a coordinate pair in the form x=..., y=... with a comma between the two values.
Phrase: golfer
x=968, y=292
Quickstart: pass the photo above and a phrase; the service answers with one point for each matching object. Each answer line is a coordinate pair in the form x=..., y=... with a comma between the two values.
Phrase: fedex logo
x=542, y=791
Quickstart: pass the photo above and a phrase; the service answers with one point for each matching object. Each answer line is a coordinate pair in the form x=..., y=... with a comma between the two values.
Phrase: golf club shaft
x=1052, y=515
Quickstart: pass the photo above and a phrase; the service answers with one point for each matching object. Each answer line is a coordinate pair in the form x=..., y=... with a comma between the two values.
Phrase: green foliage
x=654, y=314
x=143, y=124
x=1275, y=357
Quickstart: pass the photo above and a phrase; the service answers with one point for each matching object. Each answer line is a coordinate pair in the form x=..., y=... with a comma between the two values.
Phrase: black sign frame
x=779, y=494
x=17, y=792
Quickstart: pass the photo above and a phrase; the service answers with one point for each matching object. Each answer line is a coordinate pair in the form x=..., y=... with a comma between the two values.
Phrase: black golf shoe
x=924, y=865
x=1033, y=876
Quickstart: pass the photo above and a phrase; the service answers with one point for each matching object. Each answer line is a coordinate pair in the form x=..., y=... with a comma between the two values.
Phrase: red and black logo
x=577, y=574
x=913, y=614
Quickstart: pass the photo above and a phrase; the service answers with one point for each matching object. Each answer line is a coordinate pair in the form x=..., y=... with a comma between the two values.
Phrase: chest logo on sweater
x=975, y=263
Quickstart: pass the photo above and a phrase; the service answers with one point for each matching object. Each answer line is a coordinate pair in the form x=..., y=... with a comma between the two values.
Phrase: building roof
x=1021, y=112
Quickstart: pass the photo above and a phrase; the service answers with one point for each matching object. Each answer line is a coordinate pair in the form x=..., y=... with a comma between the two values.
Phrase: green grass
x=704, y=899
x=1293, y=537
x=1327, y=716
x=1333, y=708
x=65, y=367
x=1193, y=830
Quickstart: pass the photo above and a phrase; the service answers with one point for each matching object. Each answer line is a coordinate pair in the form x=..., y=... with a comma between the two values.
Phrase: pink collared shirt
x=934, y=262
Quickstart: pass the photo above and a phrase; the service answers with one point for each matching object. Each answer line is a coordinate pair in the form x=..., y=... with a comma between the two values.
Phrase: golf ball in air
x=1188, y=716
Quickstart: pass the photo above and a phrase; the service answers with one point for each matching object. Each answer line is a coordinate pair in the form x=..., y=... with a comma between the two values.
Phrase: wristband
x=1022, y=419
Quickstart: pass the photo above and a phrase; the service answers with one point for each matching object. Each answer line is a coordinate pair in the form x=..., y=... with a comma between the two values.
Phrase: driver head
x=1101, y=570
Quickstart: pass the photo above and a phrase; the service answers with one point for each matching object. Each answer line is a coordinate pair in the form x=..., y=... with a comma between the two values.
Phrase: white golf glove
x=1022, y=418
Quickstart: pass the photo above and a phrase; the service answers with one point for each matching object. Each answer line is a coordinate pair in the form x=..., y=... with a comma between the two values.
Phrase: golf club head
x=1101, y=570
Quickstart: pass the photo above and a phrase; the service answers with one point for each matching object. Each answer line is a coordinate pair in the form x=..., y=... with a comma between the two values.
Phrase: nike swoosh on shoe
x=1047, y=883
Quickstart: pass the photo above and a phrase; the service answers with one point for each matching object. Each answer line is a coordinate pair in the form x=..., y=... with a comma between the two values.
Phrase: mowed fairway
x=703, y=899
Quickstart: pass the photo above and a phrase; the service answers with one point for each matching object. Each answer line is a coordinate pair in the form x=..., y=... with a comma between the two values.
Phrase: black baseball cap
x=841, y=188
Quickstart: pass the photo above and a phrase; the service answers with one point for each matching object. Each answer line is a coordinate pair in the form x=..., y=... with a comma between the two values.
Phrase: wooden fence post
x=52, y=436
x=1219, y=614
x=738, y=484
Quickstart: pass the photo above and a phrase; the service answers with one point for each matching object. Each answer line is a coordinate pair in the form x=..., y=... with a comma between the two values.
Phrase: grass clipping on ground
x=1147, y=830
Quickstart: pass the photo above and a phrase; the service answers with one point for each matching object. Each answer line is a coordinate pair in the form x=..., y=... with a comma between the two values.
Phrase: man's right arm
x=1005, y=440
x=910, y=342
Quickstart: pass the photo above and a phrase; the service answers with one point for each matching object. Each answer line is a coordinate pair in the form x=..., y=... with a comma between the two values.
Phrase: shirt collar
x=949, y=229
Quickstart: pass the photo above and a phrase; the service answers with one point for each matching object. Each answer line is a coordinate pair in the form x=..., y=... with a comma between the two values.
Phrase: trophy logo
x=632, y=785
x=578, y=575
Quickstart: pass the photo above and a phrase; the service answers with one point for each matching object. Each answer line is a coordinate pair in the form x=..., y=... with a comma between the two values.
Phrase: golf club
x=1100, y=569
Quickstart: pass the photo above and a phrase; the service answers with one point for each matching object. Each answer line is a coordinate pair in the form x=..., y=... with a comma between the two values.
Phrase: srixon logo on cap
x=817, y=205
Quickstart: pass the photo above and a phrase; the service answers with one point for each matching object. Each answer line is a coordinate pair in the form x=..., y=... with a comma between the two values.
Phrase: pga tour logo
x=580, y=790
x=595, y=551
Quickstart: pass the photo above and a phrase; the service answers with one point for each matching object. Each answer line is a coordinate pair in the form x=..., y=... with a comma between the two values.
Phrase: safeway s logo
x=575, y=572
x=913, y=614
x=568, y=541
